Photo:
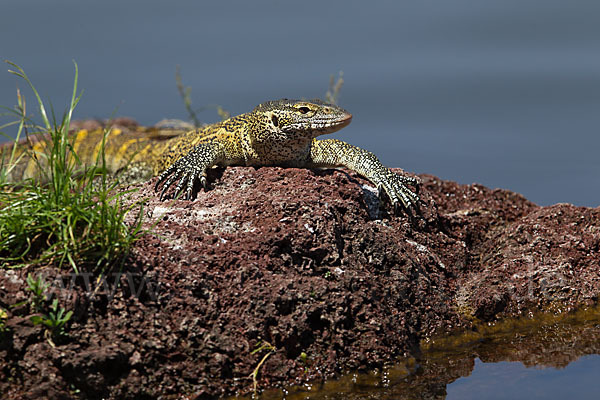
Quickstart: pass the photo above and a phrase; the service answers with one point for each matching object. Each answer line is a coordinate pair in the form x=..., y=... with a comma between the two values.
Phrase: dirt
x=304, y=261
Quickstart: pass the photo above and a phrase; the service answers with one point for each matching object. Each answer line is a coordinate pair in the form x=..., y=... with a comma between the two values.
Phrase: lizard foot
x=184, y=170
x=400, y=195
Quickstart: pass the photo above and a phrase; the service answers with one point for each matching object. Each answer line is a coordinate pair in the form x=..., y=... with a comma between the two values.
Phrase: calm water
x=512, y=380
x=549, y=358
x=504, y=93
x=490, y=381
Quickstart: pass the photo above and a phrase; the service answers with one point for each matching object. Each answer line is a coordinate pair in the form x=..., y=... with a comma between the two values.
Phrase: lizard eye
x=275, y=120
x=304, y=110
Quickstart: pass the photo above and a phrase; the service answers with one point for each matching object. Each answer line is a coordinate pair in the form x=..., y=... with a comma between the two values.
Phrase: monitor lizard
x=275, y=133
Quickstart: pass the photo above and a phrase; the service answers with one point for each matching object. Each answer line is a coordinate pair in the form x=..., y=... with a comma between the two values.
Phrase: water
x=544, y=357
x=491, y=381
x=506, y=94
x=512, y=380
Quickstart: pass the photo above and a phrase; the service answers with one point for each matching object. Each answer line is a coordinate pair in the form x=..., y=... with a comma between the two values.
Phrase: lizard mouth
x=338, y=123
x=345, y=120
x=321, y=126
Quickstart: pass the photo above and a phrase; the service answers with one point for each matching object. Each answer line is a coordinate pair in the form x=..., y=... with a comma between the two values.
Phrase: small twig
x=333, y=93
x=254, y=374
x=186, y=95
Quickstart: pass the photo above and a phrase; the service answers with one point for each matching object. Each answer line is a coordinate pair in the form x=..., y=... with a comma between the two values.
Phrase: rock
x=303, y=261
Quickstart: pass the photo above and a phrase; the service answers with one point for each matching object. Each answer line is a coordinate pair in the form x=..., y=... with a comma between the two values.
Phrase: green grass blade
x=23, y=75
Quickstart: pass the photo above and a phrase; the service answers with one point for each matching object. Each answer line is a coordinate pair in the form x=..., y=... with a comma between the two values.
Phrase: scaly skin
x=130, y=154
x=281, y=133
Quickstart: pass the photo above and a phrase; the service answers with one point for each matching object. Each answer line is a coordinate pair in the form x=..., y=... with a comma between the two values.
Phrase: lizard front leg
x=188, y=168
x=332, y=153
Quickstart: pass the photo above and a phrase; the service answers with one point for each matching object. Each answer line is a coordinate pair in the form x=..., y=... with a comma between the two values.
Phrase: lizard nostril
x=275, y=120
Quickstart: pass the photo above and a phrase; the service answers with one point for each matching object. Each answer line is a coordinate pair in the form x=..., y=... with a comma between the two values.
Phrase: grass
x=54, y=321
x=3, y=328
x=37, y=287
x=185, y=92
x=260, y=346
x=335, y=86
x=51, y=317
x=77, y=218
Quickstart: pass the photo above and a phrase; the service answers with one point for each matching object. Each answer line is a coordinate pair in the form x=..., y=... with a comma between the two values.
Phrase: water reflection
x=549, y=357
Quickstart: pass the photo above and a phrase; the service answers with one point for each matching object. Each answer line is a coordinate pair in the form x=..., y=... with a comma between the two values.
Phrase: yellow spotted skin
x=277, y=133
x=129, y=153
x=282, y=133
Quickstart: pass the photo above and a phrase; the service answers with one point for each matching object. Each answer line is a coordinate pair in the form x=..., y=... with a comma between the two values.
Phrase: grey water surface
x=503, y=93
x=512, y=380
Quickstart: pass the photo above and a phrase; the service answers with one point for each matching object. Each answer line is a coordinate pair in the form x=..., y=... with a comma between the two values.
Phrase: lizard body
x=276, y=133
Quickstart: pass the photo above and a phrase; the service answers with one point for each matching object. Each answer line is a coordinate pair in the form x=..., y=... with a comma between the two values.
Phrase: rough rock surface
x=308, y=262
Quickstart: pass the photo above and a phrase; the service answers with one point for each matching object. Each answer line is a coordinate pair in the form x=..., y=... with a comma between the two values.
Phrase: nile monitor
x=278, y=133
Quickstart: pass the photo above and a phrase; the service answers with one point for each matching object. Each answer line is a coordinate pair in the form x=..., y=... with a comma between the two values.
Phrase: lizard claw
x=168, y=180
x=400, y=195
x=184, y=171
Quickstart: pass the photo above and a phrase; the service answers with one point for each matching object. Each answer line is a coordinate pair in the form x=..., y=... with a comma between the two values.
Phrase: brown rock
x=306, y=261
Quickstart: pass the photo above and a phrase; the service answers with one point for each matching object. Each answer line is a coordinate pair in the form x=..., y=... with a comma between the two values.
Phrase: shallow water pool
x=545, y=357
x=513, y=380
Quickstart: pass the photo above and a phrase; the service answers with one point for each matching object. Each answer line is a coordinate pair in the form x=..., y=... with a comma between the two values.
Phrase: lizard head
x=300, y=119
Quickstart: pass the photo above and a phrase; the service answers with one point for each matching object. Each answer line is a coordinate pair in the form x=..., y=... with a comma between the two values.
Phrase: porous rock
x=305, y=261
